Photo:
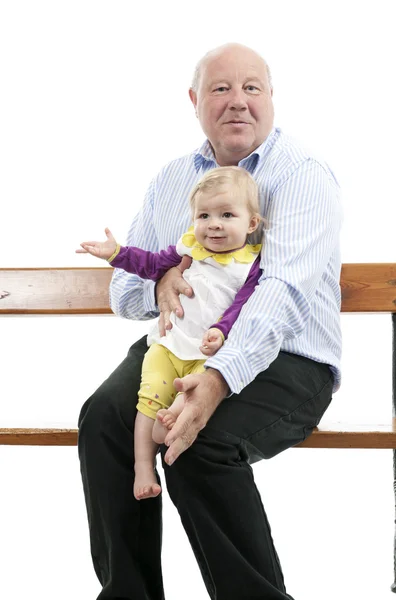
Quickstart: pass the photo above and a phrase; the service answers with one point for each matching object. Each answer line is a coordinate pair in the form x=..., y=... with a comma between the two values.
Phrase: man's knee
x=105, y=410
x=116, y=398
x=210, y=452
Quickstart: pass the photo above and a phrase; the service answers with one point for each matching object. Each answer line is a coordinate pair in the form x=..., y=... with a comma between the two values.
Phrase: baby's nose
x=214, y=223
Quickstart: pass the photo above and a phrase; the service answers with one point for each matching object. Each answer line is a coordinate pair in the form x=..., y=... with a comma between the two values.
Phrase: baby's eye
x=204, y=216
x=227, y=215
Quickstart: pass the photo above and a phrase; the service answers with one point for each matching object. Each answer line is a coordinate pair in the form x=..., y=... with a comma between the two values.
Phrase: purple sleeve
x=147, y=265
x=232, y=313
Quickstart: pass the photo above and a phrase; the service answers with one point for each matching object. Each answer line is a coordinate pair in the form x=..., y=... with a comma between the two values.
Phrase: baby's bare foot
x=163, y=423
x=145, y=485
x=168, y=418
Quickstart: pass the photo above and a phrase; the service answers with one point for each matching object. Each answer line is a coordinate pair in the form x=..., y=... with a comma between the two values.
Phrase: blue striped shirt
x=296, y=306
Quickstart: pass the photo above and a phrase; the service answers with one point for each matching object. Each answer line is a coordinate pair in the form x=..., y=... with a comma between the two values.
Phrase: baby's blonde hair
x=237, y=178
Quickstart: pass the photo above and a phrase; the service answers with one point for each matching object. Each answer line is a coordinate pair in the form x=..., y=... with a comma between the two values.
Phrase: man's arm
x=304, y=223
x=130, y=296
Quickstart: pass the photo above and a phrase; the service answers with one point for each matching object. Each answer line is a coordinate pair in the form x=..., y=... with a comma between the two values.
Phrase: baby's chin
x=216, y=246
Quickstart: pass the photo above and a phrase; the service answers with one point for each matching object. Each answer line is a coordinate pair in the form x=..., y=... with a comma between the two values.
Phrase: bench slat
x=335, y=435
x=346, y=435
x=38, y=437
x=366, y=287
x=55, y=291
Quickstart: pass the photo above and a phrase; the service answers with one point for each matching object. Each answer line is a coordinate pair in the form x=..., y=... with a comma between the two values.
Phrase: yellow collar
x=198, y=252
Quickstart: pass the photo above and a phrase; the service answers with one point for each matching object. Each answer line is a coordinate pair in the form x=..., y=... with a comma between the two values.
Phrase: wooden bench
x=366, y=288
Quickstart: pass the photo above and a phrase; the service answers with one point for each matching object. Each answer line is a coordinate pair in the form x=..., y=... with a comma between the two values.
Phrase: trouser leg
x=125, y=534
x=212, y=483
x=212, y=487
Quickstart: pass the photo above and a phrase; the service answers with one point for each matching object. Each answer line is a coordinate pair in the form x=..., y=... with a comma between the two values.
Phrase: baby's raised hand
x=212, y=341
x=99, y=249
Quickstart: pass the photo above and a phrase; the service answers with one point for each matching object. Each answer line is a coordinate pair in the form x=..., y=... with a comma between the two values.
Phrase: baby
x=223, y=274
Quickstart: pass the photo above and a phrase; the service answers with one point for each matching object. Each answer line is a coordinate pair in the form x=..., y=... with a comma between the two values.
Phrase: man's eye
x=227, y=215
x=252, y=88
x=221, y=88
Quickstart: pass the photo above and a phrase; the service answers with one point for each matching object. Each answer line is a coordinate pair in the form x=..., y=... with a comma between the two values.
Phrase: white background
x=93, y=102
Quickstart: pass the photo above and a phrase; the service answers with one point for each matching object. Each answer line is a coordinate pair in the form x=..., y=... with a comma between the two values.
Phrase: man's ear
x=193, y=98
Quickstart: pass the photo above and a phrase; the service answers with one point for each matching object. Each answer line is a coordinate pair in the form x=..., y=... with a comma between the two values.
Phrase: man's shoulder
x=293, y=150
x=177, y=165
x=288, y=154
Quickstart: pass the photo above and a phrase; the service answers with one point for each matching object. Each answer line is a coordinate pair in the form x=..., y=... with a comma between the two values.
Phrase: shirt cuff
x=219, y=330
x=115, y=253
x=149, y=301
x=234, y=367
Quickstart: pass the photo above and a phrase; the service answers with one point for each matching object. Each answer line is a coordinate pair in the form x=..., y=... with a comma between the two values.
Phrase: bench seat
x=329, y=435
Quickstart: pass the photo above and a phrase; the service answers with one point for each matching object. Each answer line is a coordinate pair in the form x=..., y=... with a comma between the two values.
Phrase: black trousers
x=211, y=484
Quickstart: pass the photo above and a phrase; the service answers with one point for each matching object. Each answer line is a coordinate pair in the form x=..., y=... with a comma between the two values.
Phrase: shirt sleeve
x=146, y=264
x=304, y=219
x=130, y=296
x=231, y=314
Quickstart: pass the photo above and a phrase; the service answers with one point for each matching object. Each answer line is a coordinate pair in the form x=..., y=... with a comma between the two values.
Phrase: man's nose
x=237, y=99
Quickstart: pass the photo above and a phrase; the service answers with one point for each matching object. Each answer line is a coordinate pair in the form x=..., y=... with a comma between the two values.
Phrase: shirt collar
x=204, y=157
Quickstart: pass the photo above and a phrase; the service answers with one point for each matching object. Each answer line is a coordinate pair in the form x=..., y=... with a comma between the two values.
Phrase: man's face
x=234, y=103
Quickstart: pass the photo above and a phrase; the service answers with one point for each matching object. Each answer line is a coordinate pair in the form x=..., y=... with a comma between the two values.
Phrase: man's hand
x=167, y=293
x=212, y=341
x=203, y=392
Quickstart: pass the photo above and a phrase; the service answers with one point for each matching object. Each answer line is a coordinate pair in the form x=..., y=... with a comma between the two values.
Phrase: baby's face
x=222, y=220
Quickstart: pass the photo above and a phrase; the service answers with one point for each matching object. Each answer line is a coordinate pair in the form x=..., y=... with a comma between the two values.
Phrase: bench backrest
x=367, y=287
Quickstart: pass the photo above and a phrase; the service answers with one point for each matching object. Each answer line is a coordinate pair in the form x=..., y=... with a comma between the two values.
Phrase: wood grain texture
x=348, y=435
x=366, y=287
x=38, y=437
x=55, y=291
x=335, y=435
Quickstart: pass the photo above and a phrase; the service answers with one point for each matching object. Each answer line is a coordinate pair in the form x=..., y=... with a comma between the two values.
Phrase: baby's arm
x=212, y=341
x=225, y=323
x=145, y=264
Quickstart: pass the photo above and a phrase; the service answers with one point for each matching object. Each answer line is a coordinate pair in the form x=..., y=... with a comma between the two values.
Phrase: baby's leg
x=146, y=485
x=156, y=392
x=166, y=418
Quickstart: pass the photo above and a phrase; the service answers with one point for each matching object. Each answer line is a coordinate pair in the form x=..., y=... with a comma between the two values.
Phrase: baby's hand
x=212, y=341
x=100, y=249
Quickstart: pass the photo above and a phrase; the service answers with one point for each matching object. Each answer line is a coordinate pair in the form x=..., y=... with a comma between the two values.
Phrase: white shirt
x=296, y=306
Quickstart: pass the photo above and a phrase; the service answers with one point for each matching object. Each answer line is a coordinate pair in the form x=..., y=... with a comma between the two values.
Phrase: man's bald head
x=233, y=101
x=215, y=53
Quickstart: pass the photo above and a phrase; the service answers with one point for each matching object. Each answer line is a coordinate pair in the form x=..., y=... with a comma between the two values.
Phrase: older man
x=264, y=391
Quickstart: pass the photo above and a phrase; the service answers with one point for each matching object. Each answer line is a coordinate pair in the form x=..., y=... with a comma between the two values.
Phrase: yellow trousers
x=160, y=367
